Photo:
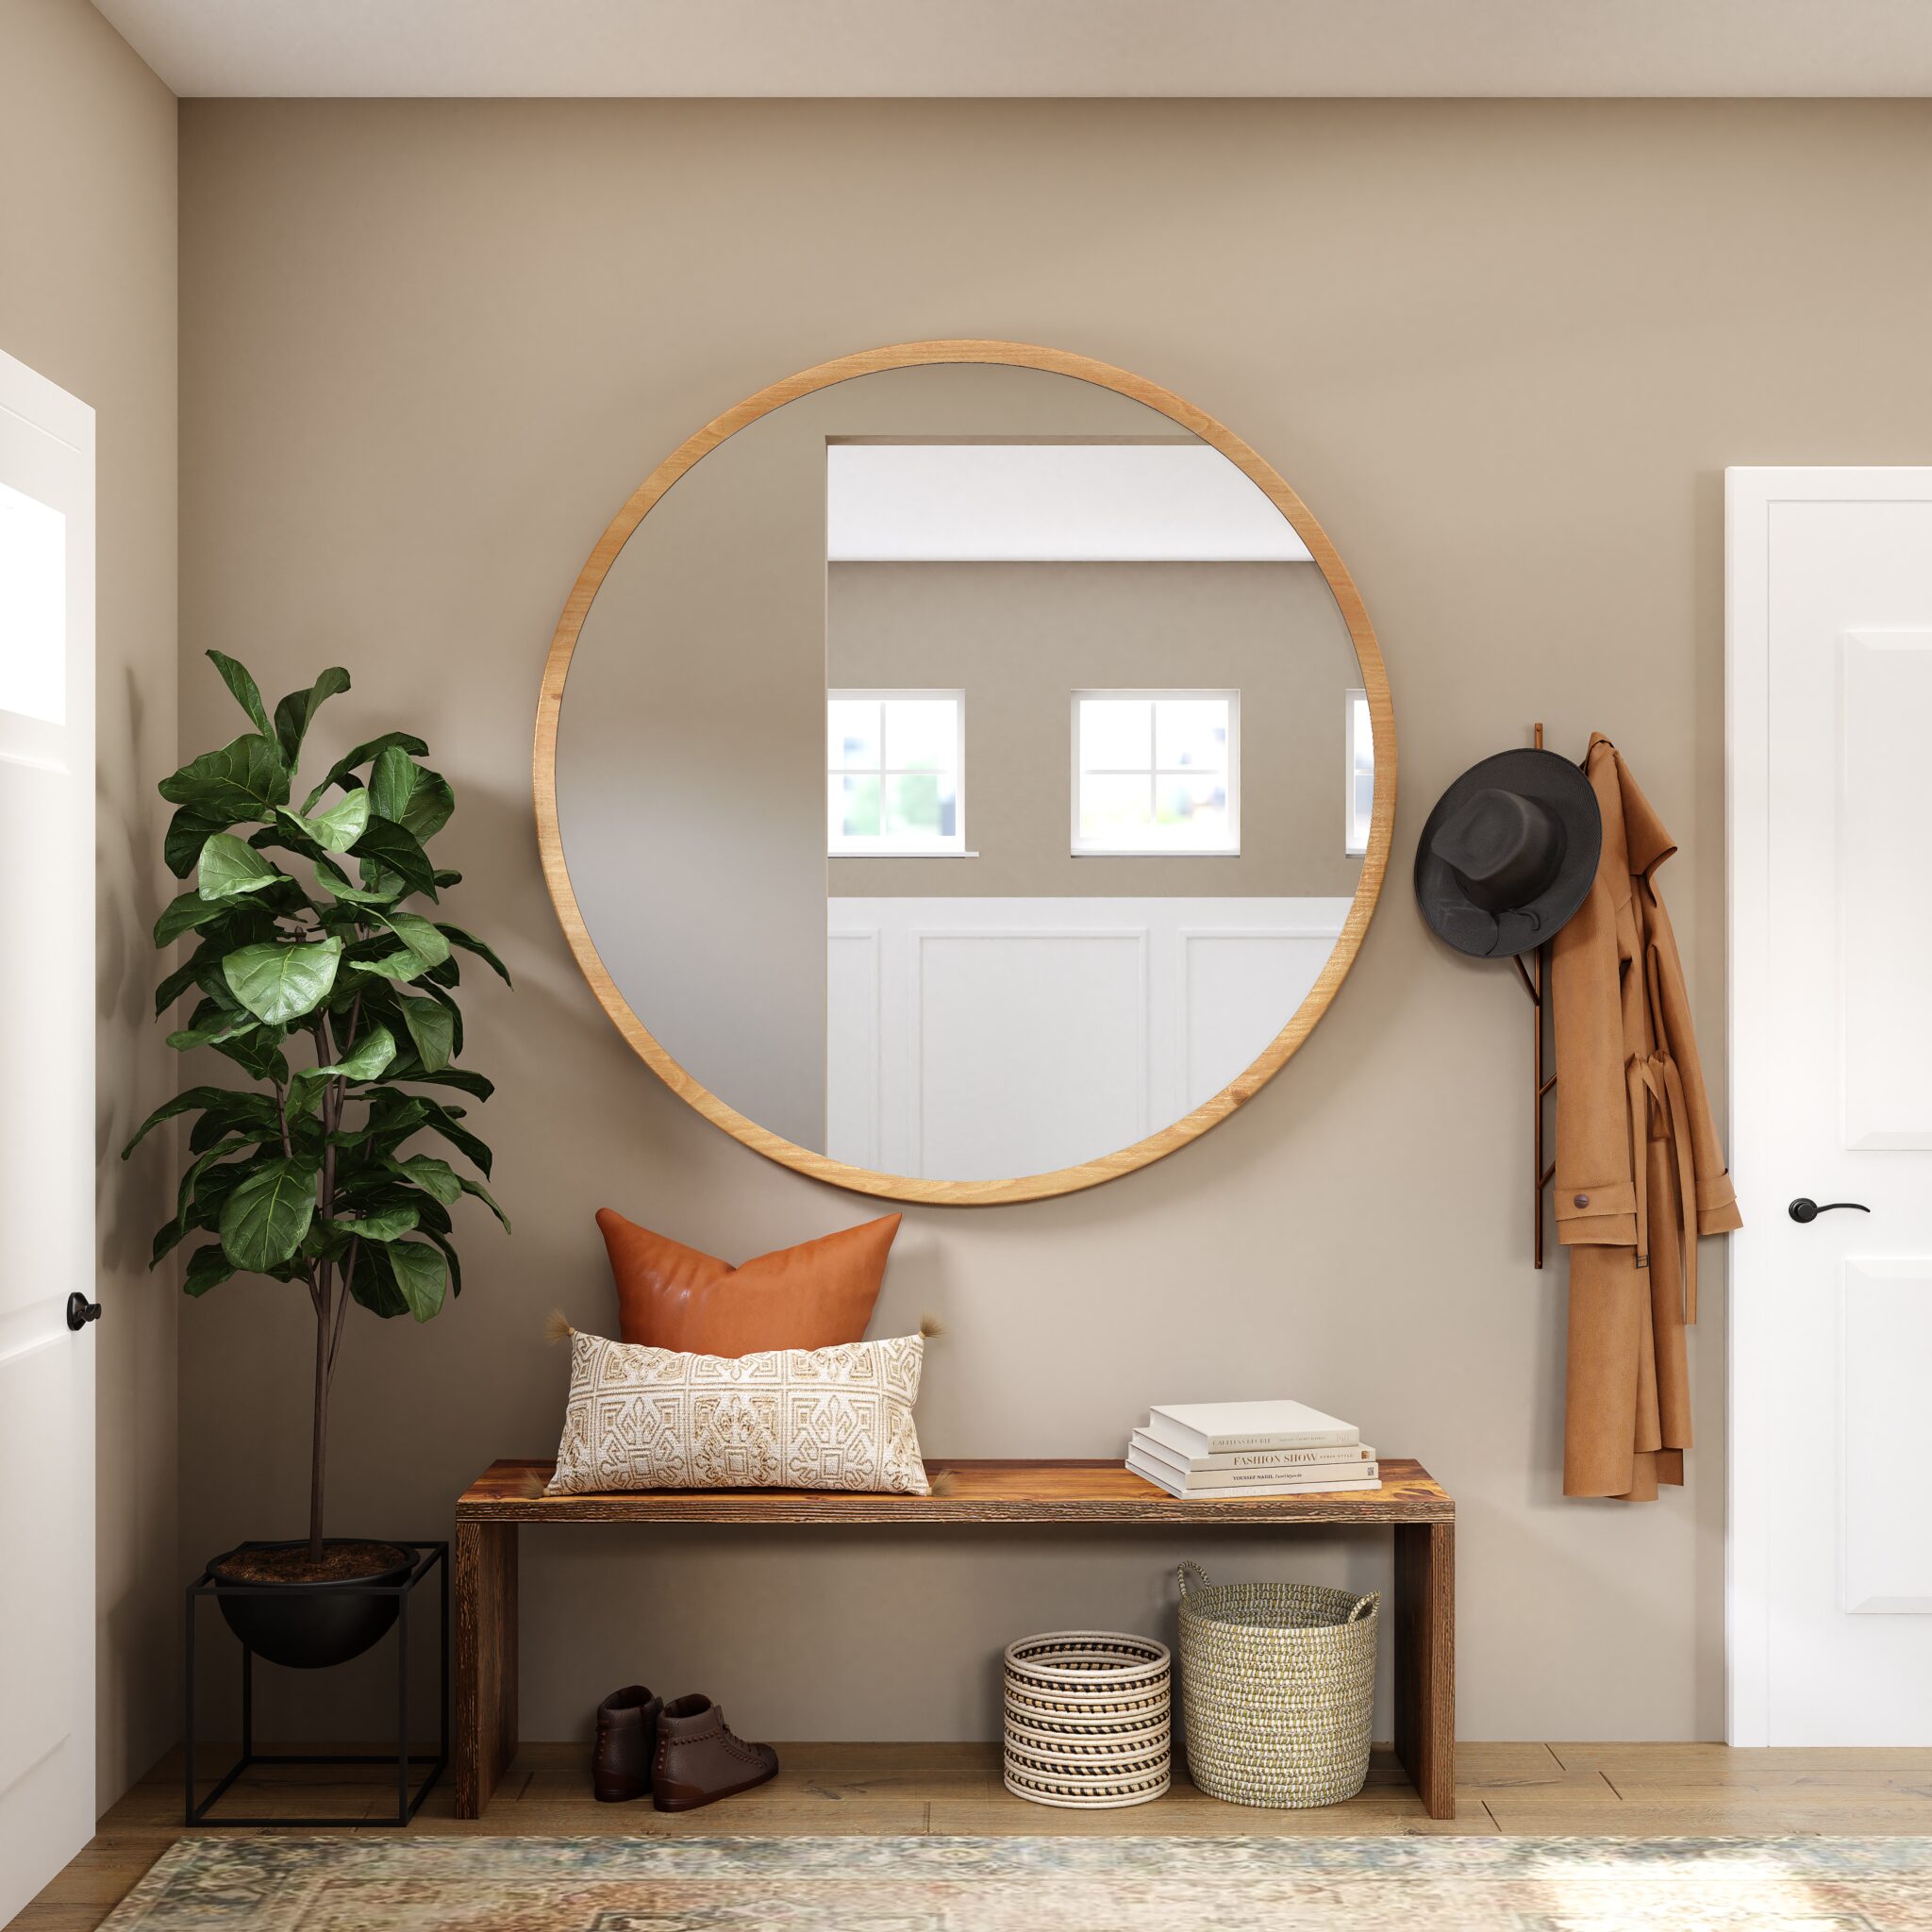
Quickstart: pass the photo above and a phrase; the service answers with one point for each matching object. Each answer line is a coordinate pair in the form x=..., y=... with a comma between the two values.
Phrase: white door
x=1829, y=591
x=46, y=1129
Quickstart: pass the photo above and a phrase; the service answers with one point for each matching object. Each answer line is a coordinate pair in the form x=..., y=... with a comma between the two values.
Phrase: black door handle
x=81, y=1311
x=1803, y=1208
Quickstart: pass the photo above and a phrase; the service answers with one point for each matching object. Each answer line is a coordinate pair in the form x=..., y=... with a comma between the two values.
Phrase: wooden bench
x=509, y=1494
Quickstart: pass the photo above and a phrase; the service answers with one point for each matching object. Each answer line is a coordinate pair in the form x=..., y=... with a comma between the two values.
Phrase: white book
x=1221, y=1428
x=1288, y=1460
x=1224, y=1481
x=1162, y=1480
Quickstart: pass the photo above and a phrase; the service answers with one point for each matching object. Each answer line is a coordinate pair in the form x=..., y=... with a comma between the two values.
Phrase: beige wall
x=1020, y=638
x=1504, y=351
x=87, y=298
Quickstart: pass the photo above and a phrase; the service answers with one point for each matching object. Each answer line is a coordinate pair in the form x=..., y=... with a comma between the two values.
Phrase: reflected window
x=1359, y=773
x=1156, y=772
x=895, y=767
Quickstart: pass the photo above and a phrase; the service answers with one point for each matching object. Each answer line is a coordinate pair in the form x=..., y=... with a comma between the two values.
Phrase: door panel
x=1884, y=933
x=1885, y=1344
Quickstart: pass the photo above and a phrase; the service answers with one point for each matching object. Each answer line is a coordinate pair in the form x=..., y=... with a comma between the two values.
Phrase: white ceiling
x=1047, y=501
x=993, y=48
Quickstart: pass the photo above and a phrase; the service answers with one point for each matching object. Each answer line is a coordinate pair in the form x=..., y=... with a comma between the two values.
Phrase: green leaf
x=207, y=1268
x=471, y=944
x=361, y=755
x=392, y=780
x=411, y=794
x=296, y=711
x=387, y=845
x=176, y=983
x=258, y=1052
x=422, y=948
x=372, y=1283
x=193, y=1101
x=484, y=1195
x=430, y=1030
x=245, y=779
x=230, y=865
x=268, y=1214
x=442, y=1120
x=384, y=1225
x=279, y=982
x=459, y=1077
x=437, y=1178
x=364, y=1062
x=253, y=1114
x=213, y=1032
x=188, y=832
x=247, y=693
x=337, y=881
x=339, y=826
x=184, y=914
x=419, y=1274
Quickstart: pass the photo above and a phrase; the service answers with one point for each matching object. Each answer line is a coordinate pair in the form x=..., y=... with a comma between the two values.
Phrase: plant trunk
x=319, y=1446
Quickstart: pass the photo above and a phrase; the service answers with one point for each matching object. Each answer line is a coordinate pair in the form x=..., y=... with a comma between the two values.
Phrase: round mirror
x=964, y=772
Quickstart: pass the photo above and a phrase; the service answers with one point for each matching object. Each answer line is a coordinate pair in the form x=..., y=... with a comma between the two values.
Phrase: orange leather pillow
x=816, y=1296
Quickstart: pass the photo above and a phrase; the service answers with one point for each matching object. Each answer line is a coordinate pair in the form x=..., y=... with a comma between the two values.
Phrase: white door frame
x=1753, y=1428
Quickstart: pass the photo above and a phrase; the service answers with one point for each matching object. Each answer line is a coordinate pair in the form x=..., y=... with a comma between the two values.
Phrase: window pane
x=1361, y=773
x=855, y=807
x=1191, y=811
x=922, y=734
x=1116, y=734
x=852, y=734
x=1190, y=734
x=1116, y=809
x=919, y=806
x=33, y=608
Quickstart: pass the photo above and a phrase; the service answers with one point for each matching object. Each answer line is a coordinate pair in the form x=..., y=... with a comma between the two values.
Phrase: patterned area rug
x=383, y=1884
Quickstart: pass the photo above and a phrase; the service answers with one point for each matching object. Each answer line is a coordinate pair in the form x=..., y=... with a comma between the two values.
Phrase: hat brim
x=1458, y=920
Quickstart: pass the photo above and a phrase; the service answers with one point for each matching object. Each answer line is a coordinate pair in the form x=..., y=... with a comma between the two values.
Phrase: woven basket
x=1277, y=1690
x=1088, y=1719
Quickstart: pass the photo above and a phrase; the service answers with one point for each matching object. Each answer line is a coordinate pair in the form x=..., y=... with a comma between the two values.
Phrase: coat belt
x=1656, y=1079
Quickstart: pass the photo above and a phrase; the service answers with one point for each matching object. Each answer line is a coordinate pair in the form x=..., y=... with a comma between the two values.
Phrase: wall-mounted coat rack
x=1533, y=984
x=1507, y=857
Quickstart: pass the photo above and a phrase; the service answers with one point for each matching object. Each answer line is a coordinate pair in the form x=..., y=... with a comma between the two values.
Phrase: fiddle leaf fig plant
x=336, y=997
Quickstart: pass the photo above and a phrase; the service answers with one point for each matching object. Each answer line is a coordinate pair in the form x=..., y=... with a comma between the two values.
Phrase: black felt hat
x=1508, y=853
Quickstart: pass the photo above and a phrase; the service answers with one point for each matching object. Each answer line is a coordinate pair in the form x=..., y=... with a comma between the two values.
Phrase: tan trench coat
x=1639, y=1173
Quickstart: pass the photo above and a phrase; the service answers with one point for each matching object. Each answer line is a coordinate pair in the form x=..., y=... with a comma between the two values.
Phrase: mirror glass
x=963, y=771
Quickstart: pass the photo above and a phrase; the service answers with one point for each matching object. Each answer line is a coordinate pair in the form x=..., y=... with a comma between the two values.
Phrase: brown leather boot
x=627, y=1742
x=700, y=1759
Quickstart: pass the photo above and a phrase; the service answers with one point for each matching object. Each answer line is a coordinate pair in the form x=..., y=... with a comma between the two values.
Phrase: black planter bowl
x=309, y=1626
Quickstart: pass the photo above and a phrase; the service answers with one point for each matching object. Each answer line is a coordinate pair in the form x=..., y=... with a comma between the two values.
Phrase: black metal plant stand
x=430, y=1556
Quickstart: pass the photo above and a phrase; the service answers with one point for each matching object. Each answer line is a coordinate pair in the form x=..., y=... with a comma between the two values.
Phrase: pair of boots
x=679, y=1755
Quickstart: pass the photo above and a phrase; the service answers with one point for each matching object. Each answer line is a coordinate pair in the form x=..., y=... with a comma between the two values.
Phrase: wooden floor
x=1616, y=1790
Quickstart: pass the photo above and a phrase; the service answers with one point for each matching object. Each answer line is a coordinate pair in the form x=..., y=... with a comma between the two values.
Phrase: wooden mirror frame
x=1064, y=1180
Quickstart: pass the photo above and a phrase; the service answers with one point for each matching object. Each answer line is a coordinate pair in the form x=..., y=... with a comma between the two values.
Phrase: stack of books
x=1250, y=1449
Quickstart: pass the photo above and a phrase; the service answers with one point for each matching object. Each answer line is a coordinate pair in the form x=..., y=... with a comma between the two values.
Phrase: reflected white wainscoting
x=979, y=1038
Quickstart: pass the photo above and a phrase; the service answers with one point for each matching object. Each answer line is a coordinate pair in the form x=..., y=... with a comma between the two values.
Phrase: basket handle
x=1199, y=1572
x=1368, y=1604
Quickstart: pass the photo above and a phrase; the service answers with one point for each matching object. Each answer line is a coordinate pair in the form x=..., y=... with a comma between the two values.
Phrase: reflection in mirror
x=965, y=773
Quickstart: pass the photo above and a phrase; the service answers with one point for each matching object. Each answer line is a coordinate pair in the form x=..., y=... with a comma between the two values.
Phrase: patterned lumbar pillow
x=788, y=1419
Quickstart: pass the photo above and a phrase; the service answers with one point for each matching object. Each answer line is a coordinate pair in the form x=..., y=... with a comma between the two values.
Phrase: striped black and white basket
x=1089, y=1724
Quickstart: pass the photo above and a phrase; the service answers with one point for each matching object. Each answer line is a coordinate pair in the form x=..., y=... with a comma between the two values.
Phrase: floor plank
x=1616, y=1790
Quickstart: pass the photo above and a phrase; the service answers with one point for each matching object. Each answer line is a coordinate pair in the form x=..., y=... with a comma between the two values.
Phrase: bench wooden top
x=1062, y=1492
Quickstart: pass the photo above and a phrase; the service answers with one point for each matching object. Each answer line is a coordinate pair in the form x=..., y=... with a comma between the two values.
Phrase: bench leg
x=486, y=1660
x=1425, y=1661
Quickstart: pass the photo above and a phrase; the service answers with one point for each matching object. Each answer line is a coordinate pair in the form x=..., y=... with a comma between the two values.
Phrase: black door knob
x=1803, y=1208
x=81, y=1311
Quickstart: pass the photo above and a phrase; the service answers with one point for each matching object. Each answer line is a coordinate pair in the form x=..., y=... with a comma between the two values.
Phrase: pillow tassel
x=558, y=1327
